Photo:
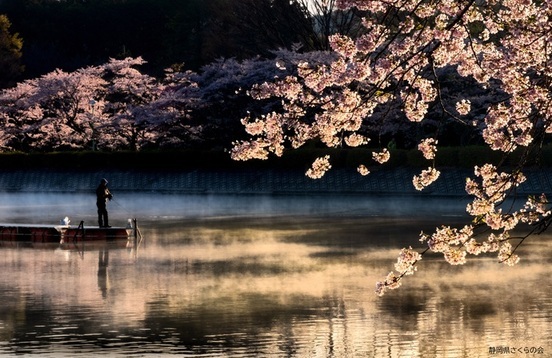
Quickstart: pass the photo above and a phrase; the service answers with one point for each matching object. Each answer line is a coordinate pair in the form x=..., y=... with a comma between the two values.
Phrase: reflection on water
x=269, y=285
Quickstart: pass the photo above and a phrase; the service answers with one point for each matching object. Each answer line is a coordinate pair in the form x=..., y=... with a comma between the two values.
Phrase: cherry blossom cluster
x=495, y=227
x=503, y=45
x=405, y=265
x=425, y=178
x=115, y=106
x=428, y=147
x=463, y=107
x=319, y=167
x=381, y=157
x=363, y=170
x=331, y=99
x=110, y=106
x=489, y=193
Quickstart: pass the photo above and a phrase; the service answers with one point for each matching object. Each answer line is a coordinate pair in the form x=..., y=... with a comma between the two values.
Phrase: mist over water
x=39, y=207
x=274, y=276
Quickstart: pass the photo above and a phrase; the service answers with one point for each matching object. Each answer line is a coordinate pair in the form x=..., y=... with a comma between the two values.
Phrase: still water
x=248, y=276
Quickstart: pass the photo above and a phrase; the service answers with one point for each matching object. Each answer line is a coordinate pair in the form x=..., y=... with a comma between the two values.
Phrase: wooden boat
x=15, y=235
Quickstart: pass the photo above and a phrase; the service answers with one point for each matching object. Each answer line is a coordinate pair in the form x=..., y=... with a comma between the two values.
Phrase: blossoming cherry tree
x=503, y=45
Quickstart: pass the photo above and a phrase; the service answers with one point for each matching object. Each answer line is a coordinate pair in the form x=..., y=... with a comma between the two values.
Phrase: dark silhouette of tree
x=186, y=34
x=256, y=27
x=328, y=20
x=10, y=54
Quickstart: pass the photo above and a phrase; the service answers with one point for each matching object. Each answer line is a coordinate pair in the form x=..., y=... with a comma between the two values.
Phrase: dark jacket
x=103, y=194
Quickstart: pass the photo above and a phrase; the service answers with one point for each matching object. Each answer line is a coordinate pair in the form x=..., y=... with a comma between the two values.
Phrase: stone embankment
x=339, y=181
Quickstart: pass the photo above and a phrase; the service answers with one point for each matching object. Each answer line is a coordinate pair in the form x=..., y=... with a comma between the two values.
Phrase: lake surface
x=261, y=276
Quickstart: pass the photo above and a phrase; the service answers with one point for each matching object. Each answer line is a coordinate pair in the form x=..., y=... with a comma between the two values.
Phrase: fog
x=52, y=207
x=300, y=285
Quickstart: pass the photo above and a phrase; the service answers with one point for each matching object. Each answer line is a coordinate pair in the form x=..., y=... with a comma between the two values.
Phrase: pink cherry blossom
x=425, y=178
x=319, y=167
x=463, y=107
x=428, y=147
x=363, y=170
x=502, y=45
x=381, y=157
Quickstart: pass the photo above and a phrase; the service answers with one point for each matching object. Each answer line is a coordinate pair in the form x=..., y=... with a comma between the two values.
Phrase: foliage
x=10, y=54
x=192, y=33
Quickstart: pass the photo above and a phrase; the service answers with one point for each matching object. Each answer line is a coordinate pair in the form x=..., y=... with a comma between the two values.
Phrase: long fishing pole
x=120, y=206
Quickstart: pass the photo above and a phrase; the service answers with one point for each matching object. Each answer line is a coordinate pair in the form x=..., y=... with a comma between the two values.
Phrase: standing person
x=102, y=196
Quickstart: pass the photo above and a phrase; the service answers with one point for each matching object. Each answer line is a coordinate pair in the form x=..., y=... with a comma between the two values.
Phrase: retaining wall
x=396, y=182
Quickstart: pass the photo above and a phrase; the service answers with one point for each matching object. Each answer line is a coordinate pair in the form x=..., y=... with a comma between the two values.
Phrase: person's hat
x=104, y=180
